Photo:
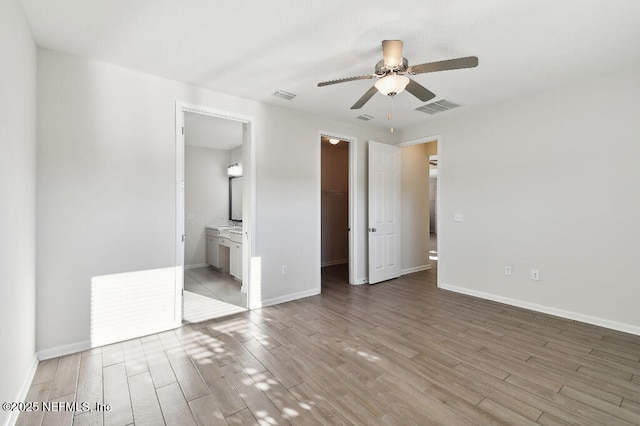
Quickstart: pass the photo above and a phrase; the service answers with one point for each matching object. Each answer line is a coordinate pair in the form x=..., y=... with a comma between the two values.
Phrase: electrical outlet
x=285, y=269
x=535, y=275
x=457, y=217
x=507, y=270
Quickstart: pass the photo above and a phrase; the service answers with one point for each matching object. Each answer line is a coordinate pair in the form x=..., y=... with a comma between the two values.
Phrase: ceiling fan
x=392, y=72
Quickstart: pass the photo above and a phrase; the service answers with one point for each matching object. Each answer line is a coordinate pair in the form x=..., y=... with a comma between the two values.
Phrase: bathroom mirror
x=235, y=198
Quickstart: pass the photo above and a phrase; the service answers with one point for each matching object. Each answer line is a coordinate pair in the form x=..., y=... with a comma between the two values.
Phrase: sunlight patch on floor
x=199, y=308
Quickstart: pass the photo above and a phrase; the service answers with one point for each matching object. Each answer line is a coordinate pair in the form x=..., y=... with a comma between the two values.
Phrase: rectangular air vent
x=284, y=95
x=438, y=106
x=365, y=117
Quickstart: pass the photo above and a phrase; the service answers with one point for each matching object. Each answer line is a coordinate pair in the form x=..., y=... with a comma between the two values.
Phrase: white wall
x=18, y=194
x=106, y=189
x=206, y=197
x=235, y=155
x=548, y=182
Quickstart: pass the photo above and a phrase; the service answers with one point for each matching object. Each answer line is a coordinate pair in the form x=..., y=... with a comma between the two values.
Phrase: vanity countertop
x=219, y=227
x=223, y=230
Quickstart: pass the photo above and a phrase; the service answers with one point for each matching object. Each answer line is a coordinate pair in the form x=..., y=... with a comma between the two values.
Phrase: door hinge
x=183, y=130
x=183, y=237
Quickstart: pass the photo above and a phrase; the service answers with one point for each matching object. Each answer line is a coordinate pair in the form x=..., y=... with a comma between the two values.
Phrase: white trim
x=24, y=390
x=180, y=226
x=334, y=262
x=290, y=297
x=197, y=265
x=439, y=204
x=415, y=269
x=433, y=138
x=249, y=196
x=198, y=109
x=63, y=350
x=354, y=226
x=84, y=345
x=601, y=322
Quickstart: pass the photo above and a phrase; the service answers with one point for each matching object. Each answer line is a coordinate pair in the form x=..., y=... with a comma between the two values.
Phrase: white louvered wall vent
x=438, y=106
x=365, y=117
x=284, y=95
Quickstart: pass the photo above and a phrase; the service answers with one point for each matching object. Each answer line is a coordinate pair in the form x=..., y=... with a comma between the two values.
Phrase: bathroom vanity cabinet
x=224, y=249
x=235, y=255
x=213, y=247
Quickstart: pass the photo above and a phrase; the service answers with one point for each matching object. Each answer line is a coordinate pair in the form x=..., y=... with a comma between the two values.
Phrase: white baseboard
x=601, y=322
x=197, y=265
x=24, y=390
x=415, y=269
x=72, y=348
x=64, y=350
x=334, y=262
x=290, y=297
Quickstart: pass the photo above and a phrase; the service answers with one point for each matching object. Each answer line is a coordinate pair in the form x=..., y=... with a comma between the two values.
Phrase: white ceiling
x=251, y=48
x=211, y=132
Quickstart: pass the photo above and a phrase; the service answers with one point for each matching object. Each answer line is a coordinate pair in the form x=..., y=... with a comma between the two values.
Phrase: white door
x=384, y=212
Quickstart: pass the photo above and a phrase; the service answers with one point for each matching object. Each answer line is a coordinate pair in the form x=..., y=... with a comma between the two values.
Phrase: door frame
x=249, y=198
x=438, y=139
x=354, y=225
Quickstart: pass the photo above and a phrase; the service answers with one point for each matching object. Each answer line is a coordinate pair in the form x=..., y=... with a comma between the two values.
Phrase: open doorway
x=433, y=208
x=420, y=205
x=212, y=213
x=338, y=233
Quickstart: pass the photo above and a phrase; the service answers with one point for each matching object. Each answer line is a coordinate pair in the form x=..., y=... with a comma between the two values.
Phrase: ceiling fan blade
x=450, y=64
x=392, y=52
x=344, y=80
x=365, y=98
x=419, y=91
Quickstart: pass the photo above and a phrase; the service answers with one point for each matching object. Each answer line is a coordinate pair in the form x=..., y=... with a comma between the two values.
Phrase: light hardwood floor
x=397, y=353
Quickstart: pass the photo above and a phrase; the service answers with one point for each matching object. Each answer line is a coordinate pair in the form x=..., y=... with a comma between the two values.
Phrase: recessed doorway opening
x=338, y=229
x=214, y=213
x=420, y=192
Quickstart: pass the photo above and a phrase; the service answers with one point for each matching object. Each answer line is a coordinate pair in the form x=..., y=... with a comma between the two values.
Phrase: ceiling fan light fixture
x=392, y=84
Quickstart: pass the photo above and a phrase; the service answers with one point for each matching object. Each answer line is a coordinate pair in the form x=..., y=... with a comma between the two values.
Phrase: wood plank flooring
x=398, y=353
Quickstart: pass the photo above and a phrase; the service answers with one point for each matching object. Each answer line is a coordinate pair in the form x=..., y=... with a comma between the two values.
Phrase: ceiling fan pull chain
x=390, y=116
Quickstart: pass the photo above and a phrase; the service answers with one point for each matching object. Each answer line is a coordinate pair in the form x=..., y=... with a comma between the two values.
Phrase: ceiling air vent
x=365, y=117
x=284, y=95
x=438, y=106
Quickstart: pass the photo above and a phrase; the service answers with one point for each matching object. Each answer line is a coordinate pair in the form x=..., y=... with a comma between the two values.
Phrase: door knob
x=372, y=229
